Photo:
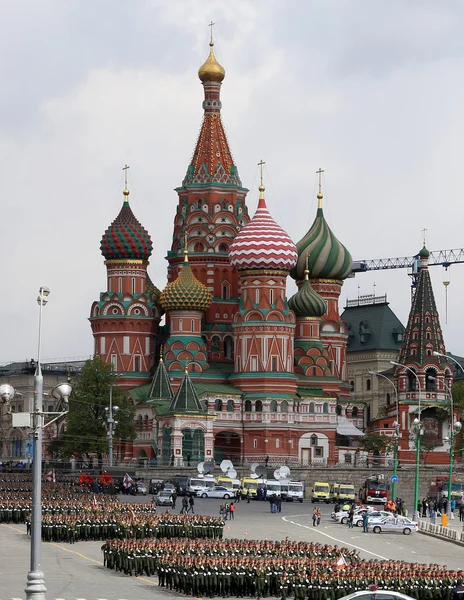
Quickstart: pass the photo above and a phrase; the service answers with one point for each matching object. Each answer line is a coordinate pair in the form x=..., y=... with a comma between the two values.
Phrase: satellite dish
x=285, y=481
x=232, y=474
x=277, y=474
x=260, y=471
x=200, y=467
x=254, y=476
x=253, y=467
x=226, y=465
x=208, y=467
x=284, y=472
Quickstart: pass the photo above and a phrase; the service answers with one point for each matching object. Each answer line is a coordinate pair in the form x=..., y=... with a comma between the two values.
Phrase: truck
x=375, y=490
x=320, y=492
x=439, y=489
x=295, y=491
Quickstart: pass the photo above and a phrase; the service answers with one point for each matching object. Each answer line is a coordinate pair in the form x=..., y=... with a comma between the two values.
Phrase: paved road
x=75, y=572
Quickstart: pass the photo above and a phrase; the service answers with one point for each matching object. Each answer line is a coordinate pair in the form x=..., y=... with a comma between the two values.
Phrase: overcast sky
x=371, y=91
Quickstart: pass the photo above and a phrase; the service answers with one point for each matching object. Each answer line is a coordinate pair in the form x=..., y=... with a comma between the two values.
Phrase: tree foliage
x=377, y=444
x=87, y=419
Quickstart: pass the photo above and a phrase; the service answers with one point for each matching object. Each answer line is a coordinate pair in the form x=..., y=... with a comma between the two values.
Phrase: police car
x=392, y=523
x=375, y=594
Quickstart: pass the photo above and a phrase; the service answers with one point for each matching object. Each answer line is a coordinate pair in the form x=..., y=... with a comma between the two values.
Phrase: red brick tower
x=211, y=211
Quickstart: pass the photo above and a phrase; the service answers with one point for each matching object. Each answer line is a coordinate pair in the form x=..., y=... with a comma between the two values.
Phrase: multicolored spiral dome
x=328, y=258
x=126, y=238
x=186, y=292
x=262, y=244
x=307, y=302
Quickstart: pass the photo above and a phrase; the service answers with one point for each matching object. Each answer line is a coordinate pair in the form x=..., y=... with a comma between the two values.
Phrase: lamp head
x=416, y=422
x=42, y=298
x=115, y=409
x=431, y=378
x=62, y=392
x=435, y=353
x=396, y=424
x=7, y=392
x=457, y=426
x=372, y=372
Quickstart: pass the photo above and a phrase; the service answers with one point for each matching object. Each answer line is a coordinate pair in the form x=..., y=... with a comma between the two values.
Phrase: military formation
x=260, y=569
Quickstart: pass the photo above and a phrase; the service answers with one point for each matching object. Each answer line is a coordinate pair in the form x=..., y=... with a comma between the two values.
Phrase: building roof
x=186, y=292
x=186, y=398
x=372, y=325
x=160, y=386
x=221, y=389
x=28, y=367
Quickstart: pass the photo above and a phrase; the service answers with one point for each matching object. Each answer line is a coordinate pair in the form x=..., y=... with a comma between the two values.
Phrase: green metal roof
x=186, y=398
x=372, y=327
x=223, y=389
x=160, y=387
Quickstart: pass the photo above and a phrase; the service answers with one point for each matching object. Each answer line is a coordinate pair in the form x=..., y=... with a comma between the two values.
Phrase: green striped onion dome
x=185, y=292
x=307, y=302
x=424, y=253
x=126, y=238
x=328, y=258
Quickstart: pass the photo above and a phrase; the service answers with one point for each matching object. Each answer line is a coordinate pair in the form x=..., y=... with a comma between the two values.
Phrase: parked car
x=373, y=516
x=399, y=524
x=164, y=498
x=156, y=485
x=141, y=488
x=376, y=594
x=181, y=484
x=169, y=487
x=216, y=492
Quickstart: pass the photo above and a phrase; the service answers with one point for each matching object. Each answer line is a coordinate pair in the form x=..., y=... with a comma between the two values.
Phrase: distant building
x=375, y=337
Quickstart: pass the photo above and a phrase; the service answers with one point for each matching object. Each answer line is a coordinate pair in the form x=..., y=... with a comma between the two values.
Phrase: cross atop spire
x=261, y=186
x=424, y=235
x=319, y=195
x=211, y=25
x=185, y=246
x=125, y=169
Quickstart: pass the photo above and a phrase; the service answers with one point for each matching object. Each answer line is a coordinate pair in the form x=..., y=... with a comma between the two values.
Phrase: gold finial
x=211, y=70
x=261, y=186
x=319, y=195
x=186, y=247
x=125, y=191
x=211, y=25
x=306, y=273
x=161, y=352
x=424, y=235
x=186, y=371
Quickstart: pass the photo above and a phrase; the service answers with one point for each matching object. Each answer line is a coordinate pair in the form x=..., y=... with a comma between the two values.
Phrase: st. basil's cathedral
x=237, y=371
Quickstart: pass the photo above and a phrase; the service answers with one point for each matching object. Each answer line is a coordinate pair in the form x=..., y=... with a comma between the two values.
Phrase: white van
x=295, y=491
x=273, y=487
x=198, y=483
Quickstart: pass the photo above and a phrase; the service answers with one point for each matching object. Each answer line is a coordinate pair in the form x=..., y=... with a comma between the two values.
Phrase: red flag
x=81, y=478
x=127, y=481
x=105, y=478
x=88, y=479
x=50, y=476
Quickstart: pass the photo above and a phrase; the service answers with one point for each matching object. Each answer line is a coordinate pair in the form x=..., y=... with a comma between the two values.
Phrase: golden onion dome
x=211, y=70
x=186, y=292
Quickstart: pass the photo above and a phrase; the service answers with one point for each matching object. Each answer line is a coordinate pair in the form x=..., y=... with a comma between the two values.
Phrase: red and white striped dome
x=262, y=244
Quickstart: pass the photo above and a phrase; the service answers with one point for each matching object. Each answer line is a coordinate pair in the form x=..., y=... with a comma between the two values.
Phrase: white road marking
x=413, y=551
x=331, y=537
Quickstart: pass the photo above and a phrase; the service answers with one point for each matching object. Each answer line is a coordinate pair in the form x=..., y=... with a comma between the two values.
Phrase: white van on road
x=295, y=491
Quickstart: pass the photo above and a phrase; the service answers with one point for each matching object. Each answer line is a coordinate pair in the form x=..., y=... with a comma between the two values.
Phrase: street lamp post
x=111, y=412
x=455, y=428
x=396, y=434
x=417, y=430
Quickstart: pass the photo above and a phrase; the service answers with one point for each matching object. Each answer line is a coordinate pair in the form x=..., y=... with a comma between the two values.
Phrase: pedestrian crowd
x=258, y=569
x=432, y=508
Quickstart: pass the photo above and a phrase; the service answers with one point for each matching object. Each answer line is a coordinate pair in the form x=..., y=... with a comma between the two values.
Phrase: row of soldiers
x=72, y=528
x=144, y=556
x=266, y=570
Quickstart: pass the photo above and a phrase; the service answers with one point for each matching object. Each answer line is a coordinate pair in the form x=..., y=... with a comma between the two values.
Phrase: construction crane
x=445, y=258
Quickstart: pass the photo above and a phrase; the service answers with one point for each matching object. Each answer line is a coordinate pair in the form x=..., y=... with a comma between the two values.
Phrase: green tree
x=87, y=419
x=377, y=444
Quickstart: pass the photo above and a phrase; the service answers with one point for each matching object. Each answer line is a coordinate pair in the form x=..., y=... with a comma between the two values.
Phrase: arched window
x=352, y=385
x=430, y=381
x=198, y=247
x=223, y=248
x=313, y=439
x=368, y=385
x=311, y=407
x=228, y=348
x=412, y=382
x=258, y=406
x=230, y=406
x=273, y=406
x=145, y=422
x=338, y=410
x=215, y=343
x=247, y=405
x=325, y=408
x=354, y=412
x=388, y=399
x=218, y=404
x=284, y=406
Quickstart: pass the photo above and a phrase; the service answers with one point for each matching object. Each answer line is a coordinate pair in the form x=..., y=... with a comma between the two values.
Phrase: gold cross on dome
x=424, y=232
x=261, y=165
x=211, y=25
x=125, y=169
x=319, y=172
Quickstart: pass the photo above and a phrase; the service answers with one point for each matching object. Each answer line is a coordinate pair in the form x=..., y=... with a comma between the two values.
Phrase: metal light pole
x=396, y=434
x=417, y=430
x=111, y=411
x=455, y=428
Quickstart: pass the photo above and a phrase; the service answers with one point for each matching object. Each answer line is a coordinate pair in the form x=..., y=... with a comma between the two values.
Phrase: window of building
x=274, y=363
x=226, y=290
x=348, y=458
x=247, y=405
x=311, y=408
x=125, y=344
x=319, y=452
x=258, y=406
x=313, y=440
x=133, y=285
x=273, y=406
x=271, y=296
x=254, y=363
x=325, y=408
x=120, y=285
x=230, y=406
x=338, y=410
x=223, y=248
x=352, y=385
x=255, y=443
x=277, y=443
x=114, y=362
x=218, y=404
x=257, y=295
x=181, y=325
x=368, y=385
x=137, y=363
x=284, y=406
x=229, y=348
x=354, y=412
x=388, y=399
x=192, y=325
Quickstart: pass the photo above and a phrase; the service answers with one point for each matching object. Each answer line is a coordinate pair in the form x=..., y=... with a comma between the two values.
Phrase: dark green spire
x=186, y=399
x=160, y=387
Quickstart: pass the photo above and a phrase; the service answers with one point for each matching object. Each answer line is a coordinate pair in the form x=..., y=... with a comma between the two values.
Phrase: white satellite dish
x=284, y=481
x=226, y=465
x=232, y=474
x=284, y=472
x=200, y=468
x=254, y=476
x=253, y=467
x=277, y=474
